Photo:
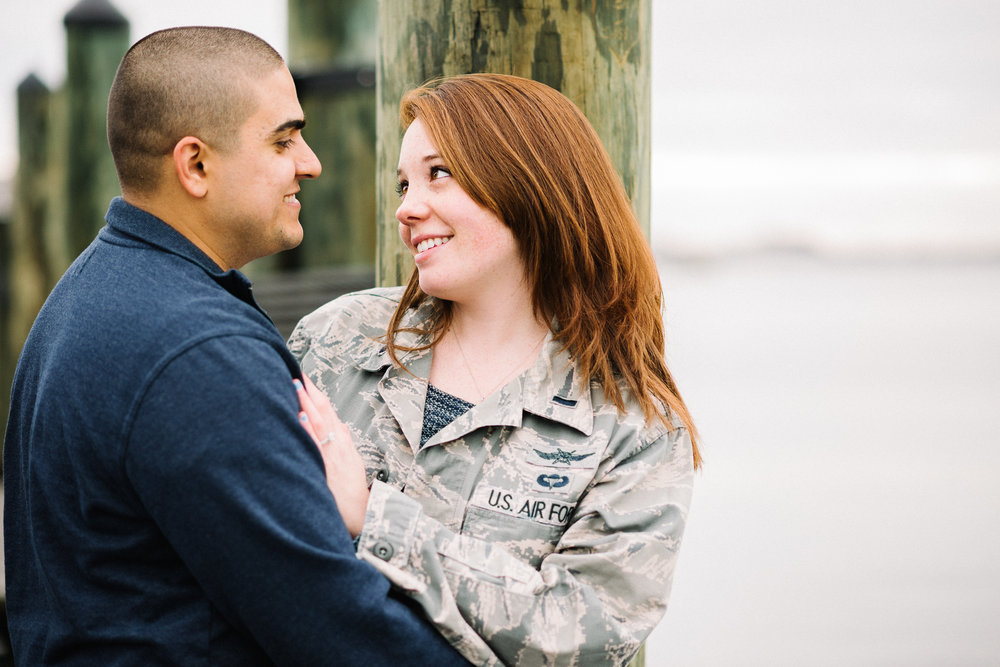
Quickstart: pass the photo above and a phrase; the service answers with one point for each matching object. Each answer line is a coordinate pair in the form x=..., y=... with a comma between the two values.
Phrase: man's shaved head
x=179, y=82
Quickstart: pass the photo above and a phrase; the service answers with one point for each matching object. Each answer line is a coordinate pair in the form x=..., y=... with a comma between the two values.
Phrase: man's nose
x=307, y=164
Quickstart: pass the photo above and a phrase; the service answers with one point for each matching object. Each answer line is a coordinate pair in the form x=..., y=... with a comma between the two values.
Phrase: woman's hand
x=345, y=470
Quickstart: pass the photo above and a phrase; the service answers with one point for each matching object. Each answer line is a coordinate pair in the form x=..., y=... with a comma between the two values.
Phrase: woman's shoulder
x=356, y=316
x=373, y=306
x=632, y=421
x=376, y=298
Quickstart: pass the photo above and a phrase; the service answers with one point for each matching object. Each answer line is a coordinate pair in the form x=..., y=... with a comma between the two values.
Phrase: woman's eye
x=439, y=172
x=401, y=188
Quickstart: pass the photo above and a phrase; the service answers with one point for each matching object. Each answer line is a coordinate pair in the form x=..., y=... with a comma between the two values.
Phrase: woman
x=529, y=456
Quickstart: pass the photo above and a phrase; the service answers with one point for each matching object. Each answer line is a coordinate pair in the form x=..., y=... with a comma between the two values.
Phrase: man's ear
x=189, y=156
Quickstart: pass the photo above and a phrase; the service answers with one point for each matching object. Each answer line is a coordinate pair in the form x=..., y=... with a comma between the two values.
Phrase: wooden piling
x=332, y=58
x=97, y=36
x=597, y=54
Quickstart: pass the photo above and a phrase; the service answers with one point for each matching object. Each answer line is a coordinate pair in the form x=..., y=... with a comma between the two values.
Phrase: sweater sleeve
x=217, y=456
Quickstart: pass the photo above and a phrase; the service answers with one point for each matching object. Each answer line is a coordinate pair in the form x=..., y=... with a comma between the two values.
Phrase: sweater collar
x=130, y=221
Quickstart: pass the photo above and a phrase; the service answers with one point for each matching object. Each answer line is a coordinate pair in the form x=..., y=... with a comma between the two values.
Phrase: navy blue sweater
x=163, y=504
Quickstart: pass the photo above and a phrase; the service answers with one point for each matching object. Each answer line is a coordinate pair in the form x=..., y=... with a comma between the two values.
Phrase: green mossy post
x=97, y=36
x=31, y=273
x=597, y=54
x=332, y=57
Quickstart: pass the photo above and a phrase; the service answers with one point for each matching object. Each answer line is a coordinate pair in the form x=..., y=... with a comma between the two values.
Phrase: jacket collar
x=548, y=389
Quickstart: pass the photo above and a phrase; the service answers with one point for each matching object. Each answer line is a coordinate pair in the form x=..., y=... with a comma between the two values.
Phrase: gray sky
x=854, y=74
x=860, y=123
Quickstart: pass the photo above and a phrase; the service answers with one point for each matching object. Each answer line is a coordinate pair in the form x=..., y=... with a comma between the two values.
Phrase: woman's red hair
x=525, y=152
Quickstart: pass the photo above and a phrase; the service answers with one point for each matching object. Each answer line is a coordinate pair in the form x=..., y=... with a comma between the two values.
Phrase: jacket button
x=382, y=475
x=383, y=550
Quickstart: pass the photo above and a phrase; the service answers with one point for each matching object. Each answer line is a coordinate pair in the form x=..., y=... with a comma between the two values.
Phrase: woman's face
x=462, y=250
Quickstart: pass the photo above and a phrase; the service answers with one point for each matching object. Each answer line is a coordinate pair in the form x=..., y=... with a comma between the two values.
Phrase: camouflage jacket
x=540, y=528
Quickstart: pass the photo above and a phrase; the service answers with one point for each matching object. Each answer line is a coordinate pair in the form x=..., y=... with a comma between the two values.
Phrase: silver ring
x=329, y=436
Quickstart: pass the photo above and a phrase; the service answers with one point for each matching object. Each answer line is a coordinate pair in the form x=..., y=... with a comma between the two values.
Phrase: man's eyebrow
x=296, y=124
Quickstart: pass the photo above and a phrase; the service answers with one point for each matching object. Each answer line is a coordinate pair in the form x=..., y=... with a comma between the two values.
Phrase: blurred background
x=825, y=201
x=826, y=209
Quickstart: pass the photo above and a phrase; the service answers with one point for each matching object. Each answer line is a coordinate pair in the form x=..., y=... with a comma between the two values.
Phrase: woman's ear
x=189, y=156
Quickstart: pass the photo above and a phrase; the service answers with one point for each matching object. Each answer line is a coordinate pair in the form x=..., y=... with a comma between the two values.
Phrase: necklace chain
x=507, y=377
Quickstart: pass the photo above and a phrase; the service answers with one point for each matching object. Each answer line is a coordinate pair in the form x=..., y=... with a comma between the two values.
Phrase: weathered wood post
x=595, y=53
x=30, y=261
x=97, y=36
x=6, y=358
x=332, y=57
x=31, y=271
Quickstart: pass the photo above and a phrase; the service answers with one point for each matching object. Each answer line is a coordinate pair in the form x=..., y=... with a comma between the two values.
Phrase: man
x=164, y=504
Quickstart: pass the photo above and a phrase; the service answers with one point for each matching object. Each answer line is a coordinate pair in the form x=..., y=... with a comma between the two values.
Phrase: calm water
x=847, y=514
